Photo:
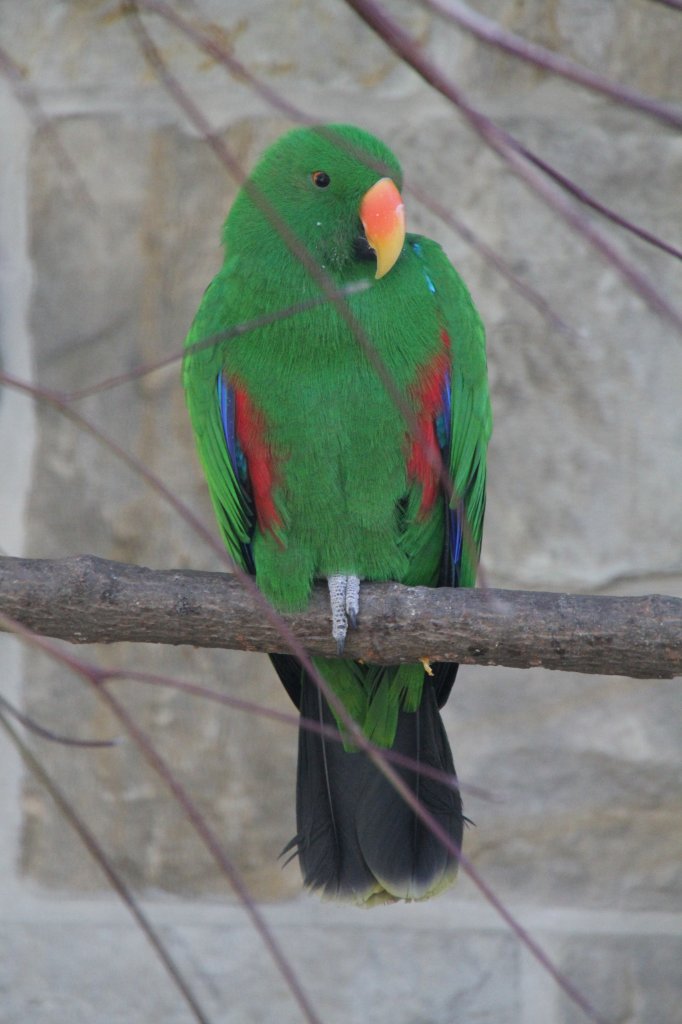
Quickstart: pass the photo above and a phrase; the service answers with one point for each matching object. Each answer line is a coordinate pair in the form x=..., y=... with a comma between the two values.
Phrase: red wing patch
x=251, y=431
x=425, y=463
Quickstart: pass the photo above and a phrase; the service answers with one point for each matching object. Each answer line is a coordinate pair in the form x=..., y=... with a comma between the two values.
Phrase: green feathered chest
x=335, y=398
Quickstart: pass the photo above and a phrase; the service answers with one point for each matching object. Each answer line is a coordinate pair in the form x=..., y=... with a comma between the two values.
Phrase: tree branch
x=85, y=599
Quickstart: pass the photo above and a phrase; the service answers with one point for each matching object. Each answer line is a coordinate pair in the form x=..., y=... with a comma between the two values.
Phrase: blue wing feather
x=227, y=405
x=452, y=555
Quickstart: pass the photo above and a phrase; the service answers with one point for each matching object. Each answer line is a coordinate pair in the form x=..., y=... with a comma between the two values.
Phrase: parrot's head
x=334, y=190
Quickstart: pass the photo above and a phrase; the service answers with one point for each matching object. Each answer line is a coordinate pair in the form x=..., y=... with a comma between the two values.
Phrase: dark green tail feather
x=357, y=840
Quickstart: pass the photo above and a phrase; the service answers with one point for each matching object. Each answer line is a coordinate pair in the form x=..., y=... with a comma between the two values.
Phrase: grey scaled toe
x=344, y=595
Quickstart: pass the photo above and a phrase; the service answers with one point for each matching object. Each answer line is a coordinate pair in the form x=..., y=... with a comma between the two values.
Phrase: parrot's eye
x=320, y=178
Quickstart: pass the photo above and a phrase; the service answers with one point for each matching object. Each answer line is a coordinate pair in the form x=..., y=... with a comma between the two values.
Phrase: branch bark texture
x=84, y=599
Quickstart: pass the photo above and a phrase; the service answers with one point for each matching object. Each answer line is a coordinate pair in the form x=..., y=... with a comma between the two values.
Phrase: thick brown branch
x=90, y=600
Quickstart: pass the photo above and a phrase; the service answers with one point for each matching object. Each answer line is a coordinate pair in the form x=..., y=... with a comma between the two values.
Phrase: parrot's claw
x=344, y=595
x=353, y=600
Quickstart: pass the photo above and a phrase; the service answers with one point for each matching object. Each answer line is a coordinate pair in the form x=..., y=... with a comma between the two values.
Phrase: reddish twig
x=516, y=156
x=492, y=33
x=48, y=734
x=28, y=99
x=275, y=99
x=98, y=854
x=97, y=677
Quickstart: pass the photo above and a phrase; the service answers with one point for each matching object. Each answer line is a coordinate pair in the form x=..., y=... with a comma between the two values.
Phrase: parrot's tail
x=357, y=839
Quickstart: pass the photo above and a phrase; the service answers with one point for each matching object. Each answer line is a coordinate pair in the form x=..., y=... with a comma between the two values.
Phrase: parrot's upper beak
x=382, y=213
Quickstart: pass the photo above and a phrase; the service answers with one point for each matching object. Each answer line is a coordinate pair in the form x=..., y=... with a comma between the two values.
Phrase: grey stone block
x=366, y=971
x=583, y=782
x=628, y=979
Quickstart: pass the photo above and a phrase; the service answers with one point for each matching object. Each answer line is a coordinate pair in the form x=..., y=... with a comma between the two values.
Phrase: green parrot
x=345, y=440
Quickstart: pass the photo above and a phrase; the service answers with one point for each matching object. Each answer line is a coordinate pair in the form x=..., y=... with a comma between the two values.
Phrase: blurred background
x=111, y=206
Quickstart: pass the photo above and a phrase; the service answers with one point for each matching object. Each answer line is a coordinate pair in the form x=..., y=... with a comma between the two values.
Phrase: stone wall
x=110, y=213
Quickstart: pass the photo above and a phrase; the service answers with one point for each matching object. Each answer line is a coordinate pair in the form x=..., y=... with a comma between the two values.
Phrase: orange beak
x=382, y=213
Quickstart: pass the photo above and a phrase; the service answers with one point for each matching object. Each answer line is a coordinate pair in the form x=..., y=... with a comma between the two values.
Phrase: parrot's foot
x=344, y=595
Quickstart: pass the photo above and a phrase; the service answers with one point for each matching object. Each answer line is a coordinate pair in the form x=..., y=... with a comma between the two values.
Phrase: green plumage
x=322, y=482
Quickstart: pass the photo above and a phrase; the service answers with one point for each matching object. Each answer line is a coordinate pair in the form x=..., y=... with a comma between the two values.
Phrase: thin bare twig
x=494, y=34
x=275, y=99
x=236, y=330
x=294, y=721
x=215, y=848
x=521, y=161
x=97, y=852
x=49, y=734
x=46, y=396
x=14, y=73
x=97, y=677
x=606, y=211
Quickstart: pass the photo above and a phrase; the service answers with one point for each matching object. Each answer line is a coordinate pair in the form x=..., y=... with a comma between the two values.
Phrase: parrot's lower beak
x=382, y=213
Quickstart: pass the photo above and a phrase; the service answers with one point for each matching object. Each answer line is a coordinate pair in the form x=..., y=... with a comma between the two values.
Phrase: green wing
x=470, y=421
x=210, y=401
